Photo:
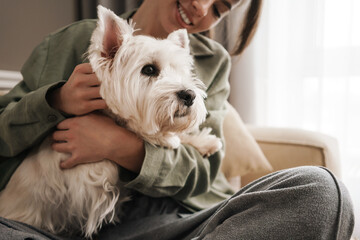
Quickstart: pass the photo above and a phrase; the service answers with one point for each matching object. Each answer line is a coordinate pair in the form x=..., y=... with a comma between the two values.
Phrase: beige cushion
x=287, y=148
x=242, y=154
x=297, y=146
x=3, y=92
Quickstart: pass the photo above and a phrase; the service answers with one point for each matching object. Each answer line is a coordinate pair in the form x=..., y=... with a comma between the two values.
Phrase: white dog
x=149, y=88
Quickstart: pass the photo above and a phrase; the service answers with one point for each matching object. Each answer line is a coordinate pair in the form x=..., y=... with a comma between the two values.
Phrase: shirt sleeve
x=183, y=173
x=25, y=114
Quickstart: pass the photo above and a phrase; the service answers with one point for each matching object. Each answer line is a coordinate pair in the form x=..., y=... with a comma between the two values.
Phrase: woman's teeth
x=183, y=15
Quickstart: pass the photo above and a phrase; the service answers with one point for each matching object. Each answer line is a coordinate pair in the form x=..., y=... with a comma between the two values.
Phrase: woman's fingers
x=92, y=80
x=68, y=163
x=60, y=136
x=98, y=104
x=62, y=147
x=84, y=68
x=65, y=125
x=93, y=93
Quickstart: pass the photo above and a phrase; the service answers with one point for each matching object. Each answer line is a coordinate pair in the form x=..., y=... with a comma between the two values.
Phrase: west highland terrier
x=150, y=89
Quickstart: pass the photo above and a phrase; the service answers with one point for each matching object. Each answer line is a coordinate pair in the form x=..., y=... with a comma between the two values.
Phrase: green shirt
x=26, y=119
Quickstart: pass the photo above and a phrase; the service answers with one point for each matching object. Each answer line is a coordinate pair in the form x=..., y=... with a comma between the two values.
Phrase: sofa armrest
x=286, y=148
x=3, y=92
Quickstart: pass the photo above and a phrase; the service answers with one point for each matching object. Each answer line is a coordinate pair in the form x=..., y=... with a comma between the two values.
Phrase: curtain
x=304, y=71
x=306, y=64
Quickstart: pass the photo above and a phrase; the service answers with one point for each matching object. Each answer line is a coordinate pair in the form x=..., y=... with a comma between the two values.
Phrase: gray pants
x=300, y=203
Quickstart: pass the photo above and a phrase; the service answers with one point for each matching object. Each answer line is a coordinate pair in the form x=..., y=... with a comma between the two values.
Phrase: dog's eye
x=150, y=70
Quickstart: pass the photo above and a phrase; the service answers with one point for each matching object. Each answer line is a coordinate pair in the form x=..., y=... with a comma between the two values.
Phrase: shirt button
x=51, y=118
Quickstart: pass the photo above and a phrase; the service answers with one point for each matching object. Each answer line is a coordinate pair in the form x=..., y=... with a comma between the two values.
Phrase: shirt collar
x=199, y=47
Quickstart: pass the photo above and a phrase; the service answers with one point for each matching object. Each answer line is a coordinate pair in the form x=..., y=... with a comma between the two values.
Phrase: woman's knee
x=307, y=202
x=316, y=184
x=315, y=178
x=292, y=177
x=326, y=198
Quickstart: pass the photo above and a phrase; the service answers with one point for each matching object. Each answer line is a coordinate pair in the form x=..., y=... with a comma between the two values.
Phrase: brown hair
x=249, y=27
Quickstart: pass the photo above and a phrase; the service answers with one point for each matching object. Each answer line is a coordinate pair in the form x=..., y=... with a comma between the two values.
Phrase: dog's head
x=146, y=81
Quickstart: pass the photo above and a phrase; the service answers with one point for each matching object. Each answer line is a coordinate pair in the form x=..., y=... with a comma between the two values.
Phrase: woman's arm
x=94, y=137
x=26, y=116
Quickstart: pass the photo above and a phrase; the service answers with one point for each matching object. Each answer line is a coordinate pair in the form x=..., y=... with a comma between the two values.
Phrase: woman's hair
x=249, y=27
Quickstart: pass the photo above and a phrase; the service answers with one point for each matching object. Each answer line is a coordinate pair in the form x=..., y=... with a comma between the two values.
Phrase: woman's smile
x=182, y=16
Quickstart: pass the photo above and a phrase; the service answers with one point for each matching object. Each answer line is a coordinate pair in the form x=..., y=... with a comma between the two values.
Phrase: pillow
x=242, y=153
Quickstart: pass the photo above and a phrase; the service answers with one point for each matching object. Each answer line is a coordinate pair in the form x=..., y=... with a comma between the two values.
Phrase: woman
x=178, y=194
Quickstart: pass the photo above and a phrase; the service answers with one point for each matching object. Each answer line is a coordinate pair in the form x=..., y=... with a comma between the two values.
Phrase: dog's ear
x=180, y=37
x=114, y=31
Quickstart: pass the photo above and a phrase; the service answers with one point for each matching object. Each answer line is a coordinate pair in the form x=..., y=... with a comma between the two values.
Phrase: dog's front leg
x=206, y=143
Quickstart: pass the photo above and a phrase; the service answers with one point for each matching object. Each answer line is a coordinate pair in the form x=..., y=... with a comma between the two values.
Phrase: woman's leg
x=299, y=203
x=12, y=230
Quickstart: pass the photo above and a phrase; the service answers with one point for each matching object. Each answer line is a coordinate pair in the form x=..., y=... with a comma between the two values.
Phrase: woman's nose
x=201, y=7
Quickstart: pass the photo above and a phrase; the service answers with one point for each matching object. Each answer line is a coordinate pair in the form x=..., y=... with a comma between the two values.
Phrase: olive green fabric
x=26, y=119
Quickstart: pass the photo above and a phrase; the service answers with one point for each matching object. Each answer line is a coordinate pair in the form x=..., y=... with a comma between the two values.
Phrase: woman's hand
x=80, y=94
x=91, y=137
x=94, y=137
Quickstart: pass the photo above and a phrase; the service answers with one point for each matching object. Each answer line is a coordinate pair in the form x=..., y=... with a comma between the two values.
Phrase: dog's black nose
x=187, y=96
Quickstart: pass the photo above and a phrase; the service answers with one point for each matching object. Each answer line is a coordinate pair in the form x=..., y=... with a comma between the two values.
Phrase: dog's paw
x=210, y=145
x=172, y=142
x=206, y=143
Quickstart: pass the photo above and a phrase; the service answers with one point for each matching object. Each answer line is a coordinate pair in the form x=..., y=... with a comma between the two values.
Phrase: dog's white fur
x=81, y=199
